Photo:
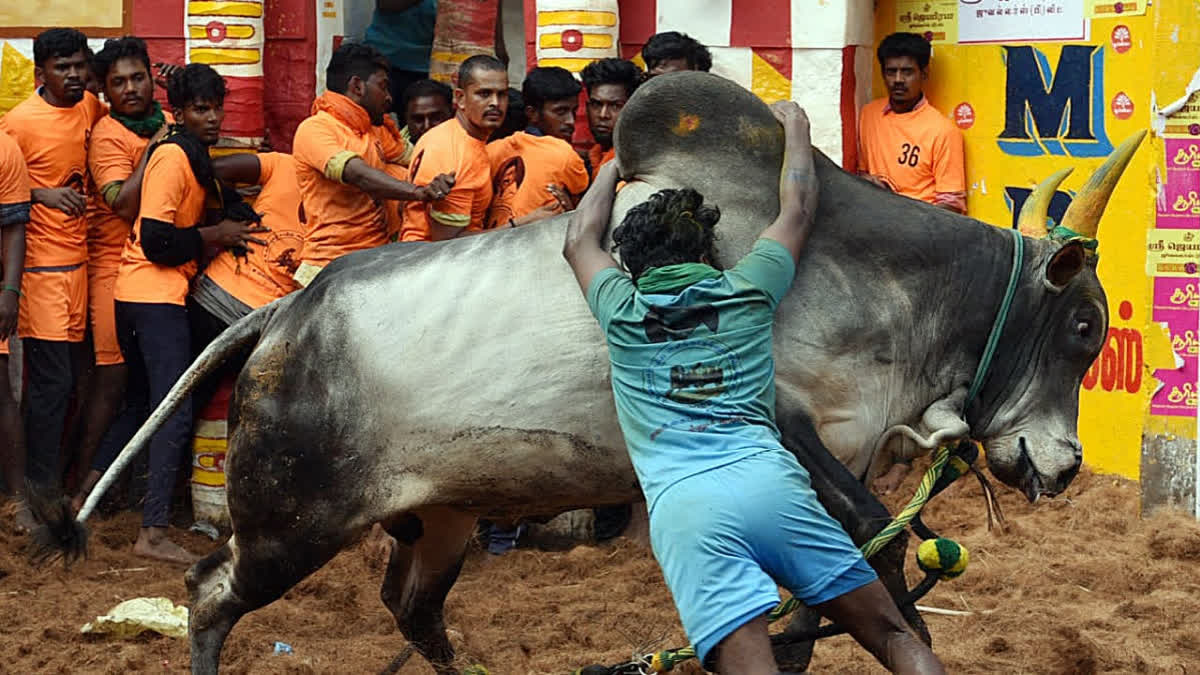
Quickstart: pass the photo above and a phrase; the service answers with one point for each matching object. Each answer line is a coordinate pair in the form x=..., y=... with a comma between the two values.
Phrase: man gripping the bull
x=732, y=513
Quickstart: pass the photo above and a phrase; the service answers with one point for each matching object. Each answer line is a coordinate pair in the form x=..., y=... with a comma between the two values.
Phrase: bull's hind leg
x=424, y=565
x=239, y=578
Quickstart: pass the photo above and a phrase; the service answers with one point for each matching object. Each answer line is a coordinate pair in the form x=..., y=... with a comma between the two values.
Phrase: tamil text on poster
x=1021, y=20
x=937, y=20
x=1172, y=256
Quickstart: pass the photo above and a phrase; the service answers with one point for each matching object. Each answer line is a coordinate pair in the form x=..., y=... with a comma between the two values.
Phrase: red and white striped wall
x=815, y=52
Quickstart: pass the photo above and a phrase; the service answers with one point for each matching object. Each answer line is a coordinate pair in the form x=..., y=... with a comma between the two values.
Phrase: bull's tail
x=57, y=534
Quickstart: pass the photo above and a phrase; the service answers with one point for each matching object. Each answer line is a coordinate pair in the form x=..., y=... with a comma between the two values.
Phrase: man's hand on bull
x=437, y=188
x=877, y=181
x=233, y=233
x=797, y=181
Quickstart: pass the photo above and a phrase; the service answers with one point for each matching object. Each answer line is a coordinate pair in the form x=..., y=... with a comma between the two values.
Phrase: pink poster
x=1177, y=299
x=1178, y=204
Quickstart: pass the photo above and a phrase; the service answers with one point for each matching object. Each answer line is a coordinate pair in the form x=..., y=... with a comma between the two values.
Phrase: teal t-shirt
x=404, y=38
x=693, y=373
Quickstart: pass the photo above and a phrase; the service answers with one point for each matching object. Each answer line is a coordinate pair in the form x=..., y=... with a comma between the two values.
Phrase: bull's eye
x=1083, y=328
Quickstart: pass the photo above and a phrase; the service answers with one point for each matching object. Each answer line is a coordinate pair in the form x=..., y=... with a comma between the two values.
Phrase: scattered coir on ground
x=1078, y=584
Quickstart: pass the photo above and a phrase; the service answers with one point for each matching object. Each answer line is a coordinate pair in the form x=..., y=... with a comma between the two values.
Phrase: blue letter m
x=1059, y=113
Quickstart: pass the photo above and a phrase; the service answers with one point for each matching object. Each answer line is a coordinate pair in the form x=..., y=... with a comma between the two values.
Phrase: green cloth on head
x=675, y=277
x=146, y=126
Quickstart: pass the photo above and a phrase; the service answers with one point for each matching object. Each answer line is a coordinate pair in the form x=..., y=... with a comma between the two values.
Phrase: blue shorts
x=726, y=538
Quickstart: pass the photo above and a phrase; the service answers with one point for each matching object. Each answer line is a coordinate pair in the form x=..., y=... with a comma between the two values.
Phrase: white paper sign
x=1021, y=20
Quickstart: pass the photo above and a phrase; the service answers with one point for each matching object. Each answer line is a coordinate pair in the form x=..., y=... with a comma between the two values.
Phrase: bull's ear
x=1067, y=262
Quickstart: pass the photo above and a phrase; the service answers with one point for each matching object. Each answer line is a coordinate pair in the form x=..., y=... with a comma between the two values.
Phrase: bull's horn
x=1032, y=220
x=1083, y=215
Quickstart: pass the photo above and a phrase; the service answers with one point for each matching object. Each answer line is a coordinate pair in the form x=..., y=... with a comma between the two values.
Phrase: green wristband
x=14, y=289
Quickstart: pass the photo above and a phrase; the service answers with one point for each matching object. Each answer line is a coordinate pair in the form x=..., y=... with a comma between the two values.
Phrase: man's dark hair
x=904, y=44
x=514, y=118
x=675, y=45
x=352, y=59
x=422, y=88
x=673, y=226
x=549, y=84
x=128, y=47
x=57, y=43
x=612, y=71
x=486, y=62
x=195, y=82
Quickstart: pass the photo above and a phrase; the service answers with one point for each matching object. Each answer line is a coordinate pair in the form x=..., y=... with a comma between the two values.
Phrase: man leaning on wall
x=906, y=145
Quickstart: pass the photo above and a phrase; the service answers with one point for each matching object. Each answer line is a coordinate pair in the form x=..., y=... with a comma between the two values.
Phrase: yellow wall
x=51, y=13
x=1111, y=422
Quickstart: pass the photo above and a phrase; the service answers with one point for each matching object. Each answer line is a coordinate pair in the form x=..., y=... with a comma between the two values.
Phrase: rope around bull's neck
x=989, y=351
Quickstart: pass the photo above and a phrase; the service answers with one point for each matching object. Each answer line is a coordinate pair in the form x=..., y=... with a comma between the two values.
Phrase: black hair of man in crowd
x=551, y=101
x=360, y=73
x=905, y=44
x=479, y=62
x=426, y=104
x=609, y=83
x=673, y=51
x=116, y=49
x=58, y=43
x=673, y=226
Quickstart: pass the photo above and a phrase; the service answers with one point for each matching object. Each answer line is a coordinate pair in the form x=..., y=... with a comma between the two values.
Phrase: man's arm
x=12, y=242
x=240, y=169
x=585, y=231
x=797, y=183
x=64, y=199
x=382, y=186
x=129, y=195
x=949, y=172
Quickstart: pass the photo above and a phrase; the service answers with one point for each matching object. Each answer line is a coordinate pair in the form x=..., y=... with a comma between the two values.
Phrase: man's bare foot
x=152, y=542
x=892, y=479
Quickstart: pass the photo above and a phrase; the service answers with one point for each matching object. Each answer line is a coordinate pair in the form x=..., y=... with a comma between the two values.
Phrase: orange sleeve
x=14, y=177
x=109, y=160
x=574, y=174
x=949, y=171
x=268, y=162
x=455, y=209
x=165, y=184
x=316, y=142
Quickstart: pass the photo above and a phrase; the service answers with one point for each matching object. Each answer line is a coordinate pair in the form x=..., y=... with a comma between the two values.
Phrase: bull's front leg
x=858, y=511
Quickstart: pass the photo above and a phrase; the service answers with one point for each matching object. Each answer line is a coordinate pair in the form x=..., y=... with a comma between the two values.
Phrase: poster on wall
x=1172, y=259
x=1110, y=9
x=937, y=20
x=1021, y=21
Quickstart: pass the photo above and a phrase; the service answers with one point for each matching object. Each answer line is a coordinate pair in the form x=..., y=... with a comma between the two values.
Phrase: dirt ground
x=1078, y=584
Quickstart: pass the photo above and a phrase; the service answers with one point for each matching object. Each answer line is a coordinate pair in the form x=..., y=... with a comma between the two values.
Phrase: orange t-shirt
x=598, y=157
x=14, y=177
x=449, y=148
x=266, y=272
x=918, y=153
x=54, y=142
x=171, y=194
x=341, y=218
x=522, y=166
x=113, y=156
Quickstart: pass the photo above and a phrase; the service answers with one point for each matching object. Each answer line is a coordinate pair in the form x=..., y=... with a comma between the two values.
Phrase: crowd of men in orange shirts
x=125, y=249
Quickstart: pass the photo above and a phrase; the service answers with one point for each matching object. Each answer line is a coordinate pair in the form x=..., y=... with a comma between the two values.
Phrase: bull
x=422, y=386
